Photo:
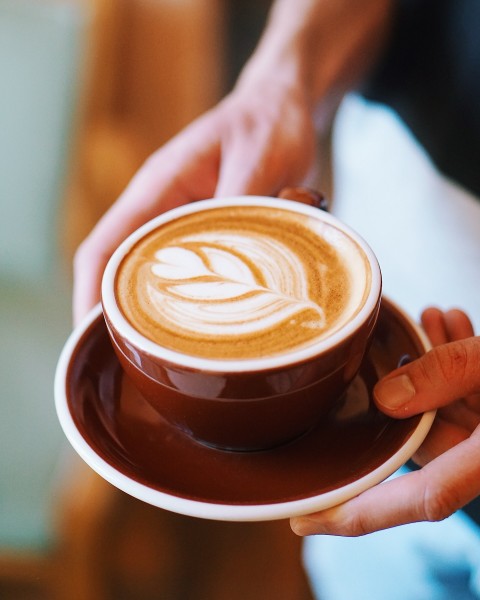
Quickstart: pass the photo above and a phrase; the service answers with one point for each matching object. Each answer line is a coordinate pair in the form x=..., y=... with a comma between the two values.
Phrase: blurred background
x=89, y=89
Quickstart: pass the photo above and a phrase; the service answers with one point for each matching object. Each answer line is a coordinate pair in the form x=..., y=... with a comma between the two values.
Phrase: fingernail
x=395, y=392
x=303, y=526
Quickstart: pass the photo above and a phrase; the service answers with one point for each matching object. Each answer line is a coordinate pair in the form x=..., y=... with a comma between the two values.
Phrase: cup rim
x=125, y=330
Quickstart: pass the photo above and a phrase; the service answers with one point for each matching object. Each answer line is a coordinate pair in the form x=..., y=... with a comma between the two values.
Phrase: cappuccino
x=242, y=282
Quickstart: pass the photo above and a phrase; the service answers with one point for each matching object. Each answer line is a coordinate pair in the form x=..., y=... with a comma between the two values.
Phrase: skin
x=261, y=138
x=448, y=379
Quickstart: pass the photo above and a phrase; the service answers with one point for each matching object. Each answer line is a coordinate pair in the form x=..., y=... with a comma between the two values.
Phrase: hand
x=256, y=141
x=261, y=137
x=447, y=378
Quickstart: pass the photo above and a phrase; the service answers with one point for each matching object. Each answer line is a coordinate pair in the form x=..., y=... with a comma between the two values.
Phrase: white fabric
x=424, y=228
x=425, y=231
x=421, y=561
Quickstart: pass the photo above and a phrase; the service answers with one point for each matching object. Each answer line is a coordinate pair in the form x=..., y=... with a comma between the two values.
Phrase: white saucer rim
x=220, y=511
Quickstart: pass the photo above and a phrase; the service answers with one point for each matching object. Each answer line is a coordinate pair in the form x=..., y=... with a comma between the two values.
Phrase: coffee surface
x=242, y=282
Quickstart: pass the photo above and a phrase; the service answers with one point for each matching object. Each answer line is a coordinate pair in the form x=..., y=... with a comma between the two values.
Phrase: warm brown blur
x=148, y=68
x=151, y=67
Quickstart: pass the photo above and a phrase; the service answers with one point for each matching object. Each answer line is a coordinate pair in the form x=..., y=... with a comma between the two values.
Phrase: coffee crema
x=242, y=282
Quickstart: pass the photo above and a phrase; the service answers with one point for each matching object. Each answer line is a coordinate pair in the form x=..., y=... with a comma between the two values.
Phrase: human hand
x=447, y=378
x=259, y=139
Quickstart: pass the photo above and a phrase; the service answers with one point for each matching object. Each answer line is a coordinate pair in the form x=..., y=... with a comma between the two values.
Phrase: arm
x=261, y=137
x=320, y=47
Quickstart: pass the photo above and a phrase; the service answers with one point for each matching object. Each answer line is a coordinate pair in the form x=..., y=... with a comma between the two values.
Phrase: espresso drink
x=242, y=282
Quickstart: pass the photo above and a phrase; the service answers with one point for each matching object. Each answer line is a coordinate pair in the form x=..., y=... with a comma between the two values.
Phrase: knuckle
x=457, y=359
x=350, y=522
x=359, y=525
x=427, y=369
x=80, y=255
x=438, y=503
x=149, y=162
x=344, y=521
x=474, y=354
x=445, y=362
x=88, y=254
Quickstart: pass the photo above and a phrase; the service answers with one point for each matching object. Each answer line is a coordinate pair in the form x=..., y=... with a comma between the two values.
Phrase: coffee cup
x=242, y=320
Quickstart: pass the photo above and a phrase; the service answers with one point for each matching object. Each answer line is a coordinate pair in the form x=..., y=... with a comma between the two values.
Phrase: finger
x=430, y=494
x=458, y=325
x=446, y=373
x=258, y=162
x=442, y=327
x=88, y=269
x=444, y=434
x=172, y=176
x=433, y=322
x=244, y=170
x=94, y=253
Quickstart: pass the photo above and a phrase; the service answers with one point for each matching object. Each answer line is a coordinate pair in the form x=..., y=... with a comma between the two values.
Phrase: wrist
x=279, y=58
x=320, y=48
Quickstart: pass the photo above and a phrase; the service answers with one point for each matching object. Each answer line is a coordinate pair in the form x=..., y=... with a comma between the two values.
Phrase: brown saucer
x=119, y=435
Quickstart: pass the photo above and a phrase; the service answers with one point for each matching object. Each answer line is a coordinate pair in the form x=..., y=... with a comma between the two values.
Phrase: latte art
x=236, y=285
x=241, y=282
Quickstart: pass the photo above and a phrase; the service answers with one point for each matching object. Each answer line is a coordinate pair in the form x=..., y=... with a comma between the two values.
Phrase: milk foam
x=212, y=289
x=248, y=285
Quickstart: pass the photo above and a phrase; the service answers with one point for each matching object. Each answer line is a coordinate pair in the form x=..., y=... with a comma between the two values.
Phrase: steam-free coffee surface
x=242, y=282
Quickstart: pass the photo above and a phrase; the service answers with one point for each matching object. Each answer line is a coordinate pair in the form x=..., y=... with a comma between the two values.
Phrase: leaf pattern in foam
x=234, y=285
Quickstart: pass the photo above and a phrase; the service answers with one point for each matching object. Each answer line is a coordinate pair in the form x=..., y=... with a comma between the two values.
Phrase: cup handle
x=305, y=196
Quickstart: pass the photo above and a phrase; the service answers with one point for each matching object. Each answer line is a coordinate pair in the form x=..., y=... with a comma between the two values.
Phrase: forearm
x=319, y=47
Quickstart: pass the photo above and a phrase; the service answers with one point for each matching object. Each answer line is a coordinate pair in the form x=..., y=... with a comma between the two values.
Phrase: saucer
x=122, y=438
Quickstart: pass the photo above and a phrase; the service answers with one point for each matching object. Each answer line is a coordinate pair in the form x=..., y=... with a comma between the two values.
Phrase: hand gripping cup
x=242, y=320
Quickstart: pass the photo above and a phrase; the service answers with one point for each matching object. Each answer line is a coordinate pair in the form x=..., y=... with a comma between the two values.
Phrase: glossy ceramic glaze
x=117, y=432
x=244, y=405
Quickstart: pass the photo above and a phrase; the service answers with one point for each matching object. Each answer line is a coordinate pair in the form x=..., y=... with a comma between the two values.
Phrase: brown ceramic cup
x=257, y=402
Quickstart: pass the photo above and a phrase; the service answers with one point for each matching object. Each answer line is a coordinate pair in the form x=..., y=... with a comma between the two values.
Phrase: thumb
x=446, y=373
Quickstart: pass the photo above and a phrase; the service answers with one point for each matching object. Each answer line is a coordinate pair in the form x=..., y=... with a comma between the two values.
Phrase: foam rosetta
x=240, y=282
